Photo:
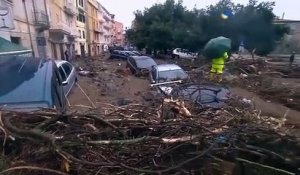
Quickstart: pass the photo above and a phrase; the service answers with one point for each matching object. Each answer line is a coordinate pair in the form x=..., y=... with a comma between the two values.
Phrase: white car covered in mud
x=164, y=76
x=183, y=53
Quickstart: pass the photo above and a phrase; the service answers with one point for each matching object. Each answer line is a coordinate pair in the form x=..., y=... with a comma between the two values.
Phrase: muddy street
x=112, y=84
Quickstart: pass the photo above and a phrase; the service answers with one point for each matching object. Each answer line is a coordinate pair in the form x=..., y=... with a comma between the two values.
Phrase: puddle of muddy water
x=268, y=108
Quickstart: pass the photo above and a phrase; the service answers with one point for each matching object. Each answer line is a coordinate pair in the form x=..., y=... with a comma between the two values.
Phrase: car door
x=153, y=76
x=58, y=96
x=130, y=64
x=70, y=77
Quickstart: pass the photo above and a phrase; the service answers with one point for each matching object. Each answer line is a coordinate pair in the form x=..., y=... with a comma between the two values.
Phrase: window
x=79, y=31
x=67, y=69
x=153, y=73
x=80, y=3
x=172, y=75
x=62, y=74
x=81, y=18
x=83, y=34
x=57, y=90
x=15, y=40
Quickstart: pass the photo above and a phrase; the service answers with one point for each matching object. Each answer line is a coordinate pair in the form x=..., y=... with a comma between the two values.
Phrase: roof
x=166, y=67
x=27, y=80
x=60, y=62
x=7, y=47
x=141, y=57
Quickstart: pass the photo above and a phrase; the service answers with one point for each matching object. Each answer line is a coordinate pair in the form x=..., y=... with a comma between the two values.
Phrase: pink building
x=118, y=33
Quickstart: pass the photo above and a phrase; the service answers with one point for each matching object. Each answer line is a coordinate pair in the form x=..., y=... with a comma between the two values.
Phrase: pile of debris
x=135, y=139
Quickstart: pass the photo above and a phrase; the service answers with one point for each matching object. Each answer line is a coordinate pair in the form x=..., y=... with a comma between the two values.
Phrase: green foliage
x=171, y=25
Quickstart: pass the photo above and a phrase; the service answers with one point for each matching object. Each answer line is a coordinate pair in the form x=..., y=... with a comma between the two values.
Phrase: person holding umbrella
x=217, y=67
x=217, y=50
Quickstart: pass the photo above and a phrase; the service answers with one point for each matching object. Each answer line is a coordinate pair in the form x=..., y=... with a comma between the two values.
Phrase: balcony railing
x=61, y=28
x=74, y=33
x=106, y=25
x=41, y=20
x=99, y=29
x=70, y=8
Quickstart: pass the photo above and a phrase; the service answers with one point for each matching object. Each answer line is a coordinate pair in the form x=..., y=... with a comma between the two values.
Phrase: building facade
x=93, y=28
x=107, y=21
x=22, y=26
x=118, y=38
x=62, y=31
x=81, y=27
x=58, y=29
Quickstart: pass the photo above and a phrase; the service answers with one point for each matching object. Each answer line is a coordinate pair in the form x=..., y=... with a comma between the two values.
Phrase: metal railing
x=70, y=8
x=41, y=19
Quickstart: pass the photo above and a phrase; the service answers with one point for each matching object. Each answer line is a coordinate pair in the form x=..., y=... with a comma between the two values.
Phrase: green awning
x=9, y=48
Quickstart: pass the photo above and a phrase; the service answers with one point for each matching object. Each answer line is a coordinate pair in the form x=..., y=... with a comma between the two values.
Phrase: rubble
x=136, y=139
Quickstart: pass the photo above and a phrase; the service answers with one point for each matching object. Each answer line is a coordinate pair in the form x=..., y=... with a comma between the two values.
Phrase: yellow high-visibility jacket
x=219, y=62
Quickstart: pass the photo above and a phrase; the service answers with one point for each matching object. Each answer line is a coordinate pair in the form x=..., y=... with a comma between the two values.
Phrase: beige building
x=81, y=47
x=62, y=31
x=26, y=24
x=52, y=28
x=94, y=28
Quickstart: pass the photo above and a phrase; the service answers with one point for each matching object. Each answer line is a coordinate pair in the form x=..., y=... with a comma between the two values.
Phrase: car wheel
x=132, y=70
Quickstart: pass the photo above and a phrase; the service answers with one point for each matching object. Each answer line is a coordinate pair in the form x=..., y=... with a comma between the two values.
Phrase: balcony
x=81, y=8
x=99, y=30
x=41, y=20
x=61, y=28
x=106, y=25
x=74, y=33
x=70, y=8
x=106, y=17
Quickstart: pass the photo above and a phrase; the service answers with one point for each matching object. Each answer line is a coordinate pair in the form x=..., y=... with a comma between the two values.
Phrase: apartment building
x=26, y=24
x=118, y=37
x=51, y=28
x=107, y=24
x=81, y=47
x=94, y=28
x=62, y=31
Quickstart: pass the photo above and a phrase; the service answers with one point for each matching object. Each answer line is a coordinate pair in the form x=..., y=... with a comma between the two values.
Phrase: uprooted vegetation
x=172, y=137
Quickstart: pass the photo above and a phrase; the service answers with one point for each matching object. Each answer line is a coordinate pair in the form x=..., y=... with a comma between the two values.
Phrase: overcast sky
x=123, y=9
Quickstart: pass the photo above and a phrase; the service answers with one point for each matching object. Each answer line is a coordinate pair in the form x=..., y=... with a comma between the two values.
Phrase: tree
x=170, y=25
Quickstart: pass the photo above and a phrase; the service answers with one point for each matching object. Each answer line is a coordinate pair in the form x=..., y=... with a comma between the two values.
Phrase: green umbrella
x=216, y=47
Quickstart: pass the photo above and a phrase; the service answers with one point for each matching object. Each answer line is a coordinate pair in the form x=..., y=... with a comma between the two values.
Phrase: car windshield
x=145, y=63
x=171, y=75
x=19, y=81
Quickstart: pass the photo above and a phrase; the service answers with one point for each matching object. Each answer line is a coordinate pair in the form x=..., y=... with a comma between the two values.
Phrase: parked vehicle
x=68, y=75
x=28, y=84
x=130, y=53
x=183, y=53
x=203, y=95
x=140, y=65
x=164, y=76
x=118, y=54
x=137, y=53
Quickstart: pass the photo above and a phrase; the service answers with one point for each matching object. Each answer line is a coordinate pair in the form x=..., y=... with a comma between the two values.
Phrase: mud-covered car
x=29, y=84
x=165, y=76
x=203, y=95
x=140, y=65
